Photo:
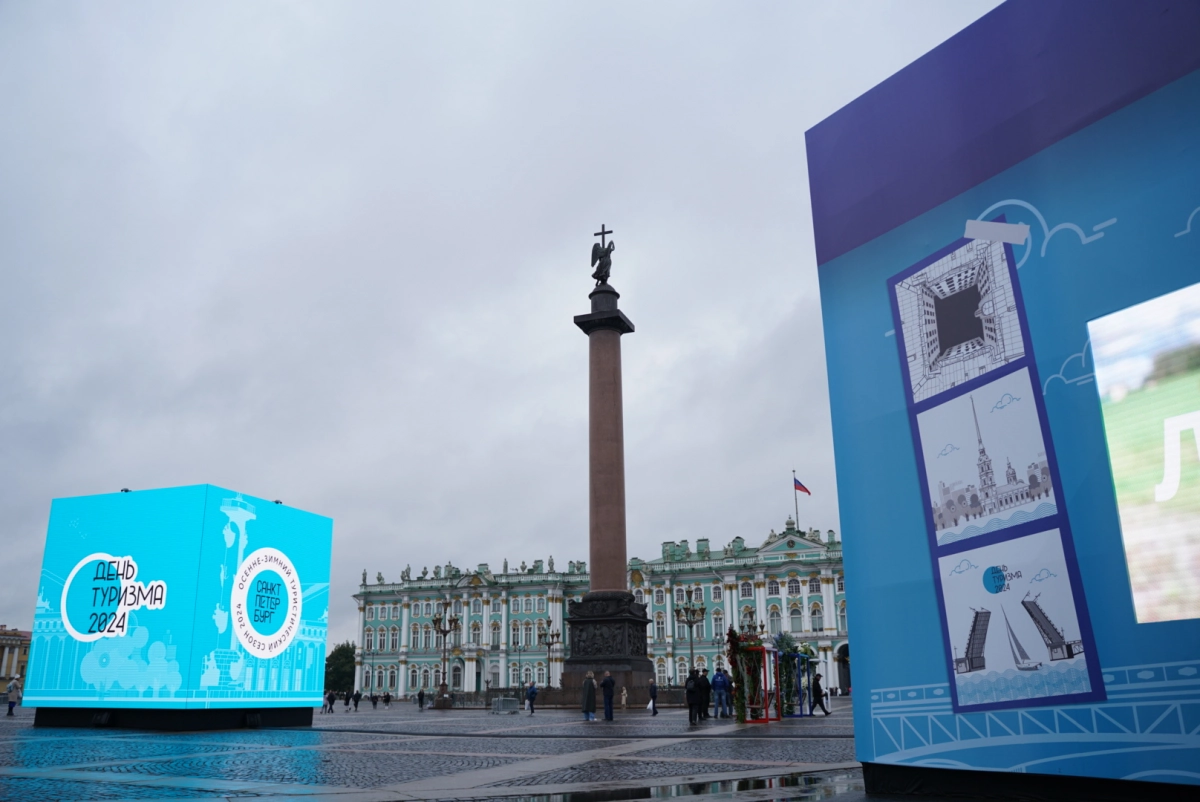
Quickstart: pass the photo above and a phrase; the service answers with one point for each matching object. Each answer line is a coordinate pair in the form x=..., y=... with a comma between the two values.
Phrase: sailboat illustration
x=1020, y=656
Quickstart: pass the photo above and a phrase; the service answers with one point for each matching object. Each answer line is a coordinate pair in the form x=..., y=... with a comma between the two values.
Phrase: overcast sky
x=329, y=253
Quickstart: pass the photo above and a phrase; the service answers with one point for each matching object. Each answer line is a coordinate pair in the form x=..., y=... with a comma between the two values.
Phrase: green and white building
x=793, y=582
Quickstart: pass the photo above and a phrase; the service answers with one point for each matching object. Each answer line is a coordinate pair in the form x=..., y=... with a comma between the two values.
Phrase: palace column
x=608, y=628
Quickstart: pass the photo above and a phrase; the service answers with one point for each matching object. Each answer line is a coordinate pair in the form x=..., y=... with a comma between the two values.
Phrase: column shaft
x=607, y=462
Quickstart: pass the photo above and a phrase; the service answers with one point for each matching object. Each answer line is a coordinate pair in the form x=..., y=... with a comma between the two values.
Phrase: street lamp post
x=444, y=625
x=549, y=639
x=690, y=613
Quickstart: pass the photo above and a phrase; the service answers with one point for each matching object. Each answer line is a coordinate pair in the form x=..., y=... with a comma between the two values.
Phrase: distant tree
x=339, y=668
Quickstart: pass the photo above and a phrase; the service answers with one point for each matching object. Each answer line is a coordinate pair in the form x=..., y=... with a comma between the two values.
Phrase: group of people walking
x=702, y=693
x=348, y=698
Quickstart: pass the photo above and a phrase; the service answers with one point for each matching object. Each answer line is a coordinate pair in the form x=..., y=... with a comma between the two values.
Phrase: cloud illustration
x=1043, y=575
x=1047, y=232
x=948, y=450
x=1188, y=228
x=1005, y=400
x=1069, y=374
x=963, y=567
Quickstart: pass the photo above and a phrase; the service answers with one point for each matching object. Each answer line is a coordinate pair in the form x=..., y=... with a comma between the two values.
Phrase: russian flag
x=801, y=487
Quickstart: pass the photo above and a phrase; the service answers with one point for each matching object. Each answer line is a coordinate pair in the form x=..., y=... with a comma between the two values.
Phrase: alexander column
x=607, y=628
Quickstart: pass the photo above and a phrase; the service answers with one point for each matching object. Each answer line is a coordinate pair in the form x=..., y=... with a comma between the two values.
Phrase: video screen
x=1148, y=375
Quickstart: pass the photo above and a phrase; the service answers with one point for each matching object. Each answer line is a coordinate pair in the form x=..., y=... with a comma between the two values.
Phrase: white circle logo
x=266, y=603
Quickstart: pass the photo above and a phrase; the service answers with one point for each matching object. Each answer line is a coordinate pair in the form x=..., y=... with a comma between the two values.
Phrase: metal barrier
x=506, y=704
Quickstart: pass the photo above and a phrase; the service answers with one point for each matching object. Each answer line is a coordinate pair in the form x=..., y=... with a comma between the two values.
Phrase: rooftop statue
x=379, y=577
x=602, y=256
x=406, y=574
x=551, y=563
x=364, y=576
x=424, y=572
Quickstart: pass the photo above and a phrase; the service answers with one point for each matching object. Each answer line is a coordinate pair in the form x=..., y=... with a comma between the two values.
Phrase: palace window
x=528, y=674
x=679, y=595
x=747, y=590
x=476, y=607
x=514, y=677
x=660, y=628
x=541, y=674
x=541, y=604
x=379, y=678
x=528, y=633
x=797, y=620
x=793, y=587
x=681, y=671
x=369, y=640
x=516, y=605
x=495, y=633
x=476, y=633
x=392, y=678
x=425, y=678
x=428, y=609
x=437, y=676
x=772, y=588
x=414, y=636
x=396, y=612
x=659, y=597
x=698, y=629
x=661, y=671
x=438, y=641
x=395, y=639
x=773, y=621
x=516, y=634
x=413, y=677
x=370, y=612
x=639, y=596
x=718, y=594
x=842, y=616
x=718, y=624
x=814, y=584
x=427, y=638
x=456, y=677
x=383, y=613
x=497, y=607
x=680, y=631
x=458, y=607
x=841, y=583
x=818, y=619
x=528, y=605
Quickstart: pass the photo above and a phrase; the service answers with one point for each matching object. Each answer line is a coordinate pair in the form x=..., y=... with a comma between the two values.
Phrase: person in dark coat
x=691, y=690
x=357, y=697
x=818, y=696
x=531, y=695
x=608, y=685
x=653, y=697
x=705, y=694
x=589, y=697
x=421, y=699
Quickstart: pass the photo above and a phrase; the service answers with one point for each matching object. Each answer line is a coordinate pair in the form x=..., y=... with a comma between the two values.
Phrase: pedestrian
x=14, y=694
x=387, y=700
x=357, y=698
x=346, y=704
x=374, y=700
x=691, y=690
x=653, y=697
x=608, y=685
x=531, y=696
x=421, y=699
x=589, y=697
x=818, y=696
x=330, y=698
x=705, y=693
x=720, y=690
x=624, y=698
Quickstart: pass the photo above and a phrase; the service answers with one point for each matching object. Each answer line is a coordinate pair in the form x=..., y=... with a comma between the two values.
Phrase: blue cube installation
x=180, y=598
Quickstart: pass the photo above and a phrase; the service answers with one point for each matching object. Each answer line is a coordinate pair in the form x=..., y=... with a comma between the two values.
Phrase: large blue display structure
x=1008, y=241
x=180, y=607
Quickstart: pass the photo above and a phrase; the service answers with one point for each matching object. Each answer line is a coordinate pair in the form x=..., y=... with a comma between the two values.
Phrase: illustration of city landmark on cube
x=965, y=498
x=1057, y=647
x=959, y=318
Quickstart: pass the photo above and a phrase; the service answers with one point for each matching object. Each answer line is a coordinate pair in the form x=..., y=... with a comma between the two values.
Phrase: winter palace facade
x=793, y=582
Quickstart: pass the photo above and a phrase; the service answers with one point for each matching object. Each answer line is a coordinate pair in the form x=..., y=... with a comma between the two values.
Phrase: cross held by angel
x=602, y=256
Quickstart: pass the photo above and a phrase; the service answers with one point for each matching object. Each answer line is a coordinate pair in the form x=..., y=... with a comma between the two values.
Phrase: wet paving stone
x=47, y=753
x=29, y=789
x=808, y=750
x=601, y=771
x=313, y=767
x=531, y=747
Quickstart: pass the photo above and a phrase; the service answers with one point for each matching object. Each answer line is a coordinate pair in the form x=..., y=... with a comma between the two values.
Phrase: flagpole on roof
x=796, y=498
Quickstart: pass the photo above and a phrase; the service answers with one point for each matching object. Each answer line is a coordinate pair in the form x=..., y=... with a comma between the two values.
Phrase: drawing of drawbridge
x=973, y=659
x=1056, y=643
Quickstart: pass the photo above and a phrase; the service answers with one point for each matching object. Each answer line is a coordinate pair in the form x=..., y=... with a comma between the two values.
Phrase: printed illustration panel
x=985, y=460
x=1013, y=626
x=958, y=318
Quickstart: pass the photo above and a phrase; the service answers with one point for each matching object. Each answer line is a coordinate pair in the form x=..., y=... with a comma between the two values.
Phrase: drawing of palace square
x=959, y=440
x=958, y=318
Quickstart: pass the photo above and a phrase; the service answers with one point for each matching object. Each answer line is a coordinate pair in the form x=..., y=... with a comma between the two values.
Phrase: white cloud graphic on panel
x=1076, y=369
x=1047, y=232
x=963, y=567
